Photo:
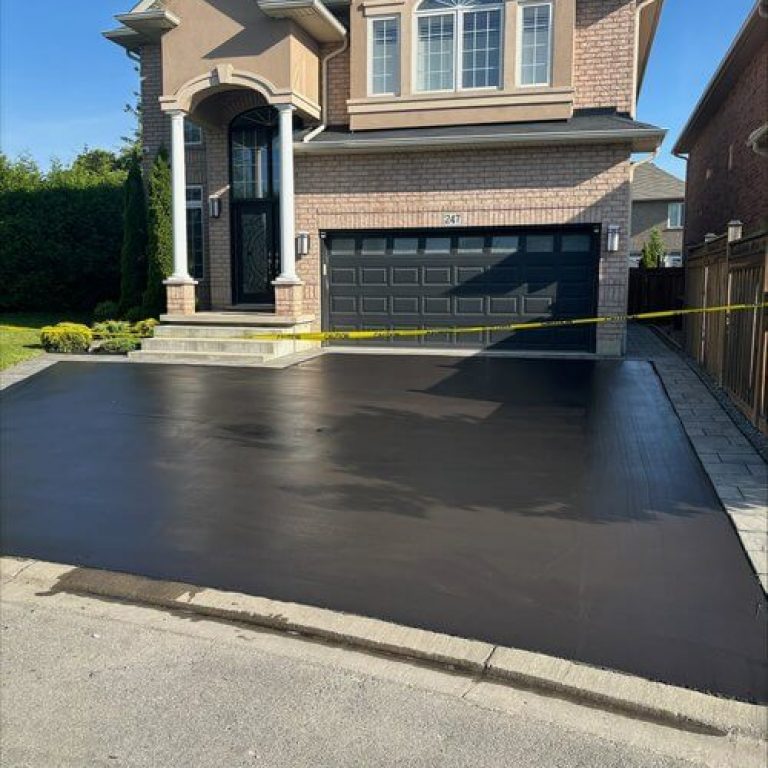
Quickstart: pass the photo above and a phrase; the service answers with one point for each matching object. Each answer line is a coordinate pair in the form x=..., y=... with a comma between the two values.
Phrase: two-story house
x=658, y=202
x=400, y=163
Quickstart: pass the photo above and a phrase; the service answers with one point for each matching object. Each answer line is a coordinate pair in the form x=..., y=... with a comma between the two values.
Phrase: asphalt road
x=554, y=506
x=97, y=683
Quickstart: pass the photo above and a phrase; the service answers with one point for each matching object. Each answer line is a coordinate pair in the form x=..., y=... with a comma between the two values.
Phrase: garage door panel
x=421, y=279
x=437, y=305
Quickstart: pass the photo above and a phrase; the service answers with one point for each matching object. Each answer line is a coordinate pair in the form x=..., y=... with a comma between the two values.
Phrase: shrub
x=60, y=233
x=653, y=253
x=106, y=310
x=112, y=328
x=134, y=314
x=133, y=255
x=66, y=337
x=159, y=236
x=119, y=345
x=145, y=328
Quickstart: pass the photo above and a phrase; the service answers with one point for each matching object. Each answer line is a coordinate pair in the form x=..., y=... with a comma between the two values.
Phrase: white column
x=287, y=210
x=179, y=192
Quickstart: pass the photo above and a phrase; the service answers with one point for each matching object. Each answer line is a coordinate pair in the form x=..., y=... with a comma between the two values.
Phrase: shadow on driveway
x=554, y=506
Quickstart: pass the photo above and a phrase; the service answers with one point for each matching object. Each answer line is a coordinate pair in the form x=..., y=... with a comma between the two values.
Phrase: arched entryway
x=254, y=162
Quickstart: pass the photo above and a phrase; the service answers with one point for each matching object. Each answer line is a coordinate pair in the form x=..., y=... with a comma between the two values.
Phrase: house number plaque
x=451, y=219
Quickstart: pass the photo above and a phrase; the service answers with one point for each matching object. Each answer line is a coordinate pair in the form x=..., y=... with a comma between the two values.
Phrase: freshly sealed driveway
x=554, y=506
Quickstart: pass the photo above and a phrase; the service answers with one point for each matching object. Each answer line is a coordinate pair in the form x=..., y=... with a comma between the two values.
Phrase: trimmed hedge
x=66, y=337
x=61, y=235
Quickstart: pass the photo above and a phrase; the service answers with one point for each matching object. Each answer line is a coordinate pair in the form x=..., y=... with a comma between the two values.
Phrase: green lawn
x=20, y=334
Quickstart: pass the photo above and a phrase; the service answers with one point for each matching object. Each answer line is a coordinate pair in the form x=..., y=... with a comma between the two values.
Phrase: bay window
x=458, y=44
x=535, y=44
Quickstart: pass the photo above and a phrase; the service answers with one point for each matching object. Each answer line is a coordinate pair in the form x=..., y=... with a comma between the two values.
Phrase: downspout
x=324, y=112
x=641, y=6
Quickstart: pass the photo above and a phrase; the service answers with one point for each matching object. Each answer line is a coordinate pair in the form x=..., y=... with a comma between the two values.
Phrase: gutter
x=324, y=109
x=498, y=139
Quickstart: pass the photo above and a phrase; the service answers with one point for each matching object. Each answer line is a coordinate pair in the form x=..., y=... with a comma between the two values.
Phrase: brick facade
x=492, y=187
x=604, y=58
x=726, y=179
x=488, y=187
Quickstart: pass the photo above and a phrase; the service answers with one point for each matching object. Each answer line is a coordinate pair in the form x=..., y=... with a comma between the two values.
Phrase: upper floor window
x=535, y=44
x=675, y=215
x=384, y=66
x=193, y=134
x=459, y=44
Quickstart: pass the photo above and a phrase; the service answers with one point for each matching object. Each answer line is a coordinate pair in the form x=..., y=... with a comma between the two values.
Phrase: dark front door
x=255, y=254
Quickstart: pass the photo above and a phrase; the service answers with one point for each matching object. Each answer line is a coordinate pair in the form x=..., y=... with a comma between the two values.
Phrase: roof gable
x=653, y=183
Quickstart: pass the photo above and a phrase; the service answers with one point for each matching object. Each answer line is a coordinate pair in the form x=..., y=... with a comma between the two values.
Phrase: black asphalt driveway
x=547, y=505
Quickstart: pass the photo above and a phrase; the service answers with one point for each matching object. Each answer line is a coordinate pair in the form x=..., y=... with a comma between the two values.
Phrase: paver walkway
x=737, y=470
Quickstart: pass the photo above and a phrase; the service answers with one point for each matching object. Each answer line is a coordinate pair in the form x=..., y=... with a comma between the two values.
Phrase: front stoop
x=224, y=338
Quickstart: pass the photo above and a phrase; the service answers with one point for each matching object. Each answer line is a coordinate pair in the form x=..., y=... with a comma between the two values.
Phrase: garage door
x=437, y=279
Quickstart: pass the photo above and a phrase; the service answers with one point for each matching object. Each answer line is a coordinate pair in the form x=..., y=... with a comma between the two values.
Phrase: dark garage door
x=434, y=279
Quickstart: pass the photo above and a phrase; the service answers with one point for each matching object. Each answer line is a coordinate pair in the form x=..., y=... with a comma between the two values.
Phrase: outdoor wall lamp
x=613, y=238
x=302, y=244
x=735, y=229
x=214, y=207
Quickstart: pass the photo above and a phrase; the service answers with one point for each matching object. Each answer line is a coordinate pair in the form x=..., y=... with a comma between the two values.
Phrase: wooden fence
x=656, y=289
x=731, y=346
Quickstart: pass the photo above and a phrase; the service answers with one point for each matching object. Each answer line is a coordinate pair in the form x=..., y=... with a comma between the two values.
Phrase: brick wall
x=338, y=88
x=604, y=54
x=726, y=180
x=156, y=128
x=491, y=187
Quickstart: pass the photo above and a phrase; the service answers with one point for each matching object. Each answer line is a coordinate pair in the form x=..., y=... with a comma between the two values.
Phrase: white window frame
x=197, y=205
x=681, y=208
x=458, y=47
x=371, y=21
x=521, y=6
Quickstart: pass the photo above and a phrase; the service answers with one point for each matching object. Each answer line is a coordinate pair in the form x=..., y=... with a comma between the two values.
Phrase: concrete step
x=216, y=346
x=179, y=331
x=197, y=358
x=247, y=319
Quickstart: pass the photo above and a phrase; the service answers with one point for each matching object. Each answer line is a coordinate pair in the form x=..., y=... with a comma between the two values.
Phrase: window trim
x=458, y=47
x=195, y=205
x=681, y=208
x=398, y=56
x=521, y=6
x=198, y=143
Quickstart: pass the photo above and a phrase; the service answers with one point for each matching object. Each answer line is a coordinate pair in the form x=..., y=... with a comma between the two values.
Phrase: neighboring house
x=400, y=163
x=726, y=140
x=657, y=201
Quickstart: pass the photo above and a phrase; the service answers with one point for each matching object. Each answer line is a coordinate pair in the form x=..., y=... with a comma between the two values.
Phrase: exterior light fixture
x=735, y=229
x=302, y=244
x=214, y=207
x=612, y=245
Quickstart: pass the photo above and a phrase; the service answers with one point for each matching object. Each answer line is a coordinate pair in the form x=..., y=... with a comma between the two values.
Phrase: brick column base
x=289, y=299
x=180, y=297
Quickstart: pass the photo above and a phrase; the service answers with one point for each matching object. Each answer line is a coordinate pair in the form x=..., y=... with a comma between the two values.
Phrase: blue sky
x=62, y=86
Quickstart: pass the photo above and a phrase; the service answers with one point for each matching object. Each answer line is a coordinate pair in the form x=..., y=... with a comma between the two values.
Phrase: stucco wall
x=726, y=180
x=649, y=214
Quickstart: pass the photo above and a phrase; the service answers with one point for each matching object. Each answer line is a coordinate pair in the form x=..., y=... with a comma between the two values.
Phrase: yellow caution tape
x=420, y=332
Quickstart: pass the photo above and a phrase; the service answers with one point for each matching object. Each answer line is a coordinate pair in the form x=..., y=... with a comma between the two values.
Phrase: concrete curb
x=616, y=691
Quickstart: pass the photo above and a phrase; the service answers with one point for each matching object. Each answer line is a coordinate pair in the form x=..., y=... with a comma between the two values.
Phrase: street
x=99, y=683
